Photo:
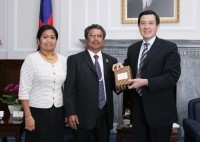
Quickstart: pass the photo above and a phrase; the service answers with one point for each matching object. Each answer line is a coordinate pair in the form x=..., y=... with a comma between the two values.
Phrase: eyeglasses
x=93, y=36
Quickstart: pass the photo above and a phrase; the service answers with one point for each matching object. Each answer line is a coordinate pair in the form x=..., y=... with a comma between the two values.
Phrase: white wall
x=3, y=29
x=19, y=24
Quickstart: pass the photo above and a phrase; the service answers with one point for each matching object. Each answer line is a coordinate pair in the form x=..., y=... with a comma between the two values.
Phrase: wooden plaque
x=122, y=76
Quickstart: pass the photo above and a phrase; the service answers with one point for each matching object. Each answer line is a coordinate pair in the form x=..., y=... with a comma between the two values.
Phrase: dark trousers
x=100, y=133
x=142, y=132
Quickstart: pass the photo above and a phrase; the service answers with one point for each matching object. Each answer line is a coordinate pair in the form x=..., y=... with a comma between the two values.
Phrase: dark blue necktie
x=102, y=100
x=143, y=56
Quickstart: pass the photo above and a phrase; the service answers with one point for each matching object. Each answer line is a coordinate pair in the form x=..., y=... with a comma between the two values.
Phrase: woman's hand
x=30, y=123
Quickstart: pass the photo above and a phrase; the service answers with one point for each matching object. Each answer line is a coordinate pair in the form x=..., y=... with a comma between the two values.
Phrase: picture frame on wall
x=168, y=10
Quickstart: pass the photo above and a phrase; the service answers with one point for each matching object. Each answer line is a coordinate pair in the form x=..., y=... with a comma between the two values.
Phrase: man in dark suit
x=156, y=70
x=164, y=8
x=82, y=88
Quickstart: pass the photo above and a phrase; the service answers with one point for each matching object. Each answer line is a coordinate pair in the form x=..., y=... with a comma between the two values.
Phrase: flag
x=46, y=17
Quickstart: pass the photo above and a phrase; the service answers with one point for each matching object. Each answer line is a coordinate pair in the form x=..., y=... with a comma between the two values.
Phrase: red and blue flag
x=46, y=17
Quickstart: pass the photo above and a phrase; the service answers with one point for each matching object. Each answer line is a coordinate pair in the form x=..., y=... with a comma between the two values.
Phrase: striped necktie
x=142, y=58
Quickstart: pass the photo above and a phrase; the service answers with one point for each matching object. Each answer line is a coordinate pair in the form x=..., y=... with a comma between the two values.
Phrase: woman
x=40, y=90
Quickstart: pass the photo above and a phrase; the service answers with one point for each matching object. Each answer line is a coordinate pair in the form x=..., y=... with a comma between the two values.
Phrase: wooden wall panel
x=9, y=73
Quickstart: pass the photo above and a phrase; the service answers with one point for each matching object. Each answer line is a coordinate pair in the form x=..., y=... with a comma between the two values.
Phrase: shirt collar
x=92, y=54
x=151, y=41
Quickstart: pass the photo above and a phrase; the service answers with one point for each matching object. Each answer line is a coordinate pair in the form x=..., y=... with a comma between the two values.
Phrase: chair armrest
x=192, y=128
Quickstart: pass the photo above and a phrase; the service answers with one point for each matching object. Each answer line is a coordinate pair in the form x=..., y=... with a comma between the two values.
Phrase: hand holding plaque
x=122, y=76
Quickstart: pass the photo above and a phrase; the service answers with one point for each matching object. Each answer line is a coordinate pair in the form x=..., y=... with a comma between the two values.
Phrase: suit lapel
x=88, y=60
x=152, y=51
x=135, y=56
x=105, y=64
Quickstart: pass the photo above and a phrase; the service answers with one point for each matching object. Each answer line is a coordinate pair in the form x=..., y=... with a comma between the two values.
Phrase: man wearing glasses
x=88, y=89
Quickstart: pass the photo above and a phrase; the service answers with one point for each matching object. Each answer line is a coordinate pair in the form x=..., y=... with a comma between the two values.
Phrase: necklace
x=50, y=56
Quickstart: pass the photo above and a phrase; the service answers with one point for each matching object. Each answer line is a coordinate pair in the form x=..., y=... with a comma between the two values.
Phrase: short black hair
x=149, y=12
x=94, y=26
